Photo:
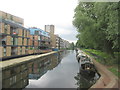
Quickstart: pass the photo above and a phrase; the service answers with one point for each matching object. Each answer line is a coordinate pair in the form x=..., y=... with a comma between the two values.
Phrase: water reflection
x=40, y=67
x=15, y=77
x=60, y=72
x=86, y=81
x=18, y=76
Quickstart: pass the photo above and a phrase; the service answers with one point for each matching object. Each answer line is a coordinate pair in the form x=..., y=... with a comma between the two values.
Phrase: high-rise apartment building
x=56, y=41
x=49, y=28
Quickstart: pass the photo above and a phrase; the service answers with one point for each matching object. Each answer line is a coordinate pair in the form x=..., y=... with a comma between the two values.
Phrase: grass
x=107, y=60
x=115, y=71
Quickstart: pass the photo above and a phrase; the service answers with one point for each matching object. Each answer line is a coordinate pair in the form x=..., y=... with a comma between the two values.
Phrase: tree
x=97, y=25
x=72, y=46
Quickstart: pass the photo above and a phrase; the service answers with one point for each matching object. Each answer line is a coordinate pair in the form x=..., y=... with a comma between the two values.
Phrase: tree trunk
x=108, y=48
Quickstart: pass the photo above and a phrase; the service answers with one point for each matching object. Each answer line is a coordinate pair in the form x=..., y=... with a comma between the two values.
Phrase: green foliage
x=112, y=63
x=31, y=48
x=109, y=60
x=97, y=25
x=72, y=46
x=115, y=71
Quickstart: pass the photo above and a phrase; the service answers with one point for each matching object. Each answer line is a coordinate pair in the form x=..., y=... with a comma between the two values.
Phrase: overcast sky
x=45, y=12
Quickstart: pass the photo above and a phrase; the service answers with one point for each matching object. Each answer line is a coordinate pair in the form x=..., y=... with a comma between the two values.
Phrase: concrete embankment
x=12, y=62
x=107, y=80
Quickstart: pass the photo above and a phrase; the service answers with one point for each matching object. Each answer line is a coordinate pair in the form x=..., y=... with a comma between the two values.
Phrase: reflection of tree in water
x=85, y=82
x=82, y=82
x=65, y=53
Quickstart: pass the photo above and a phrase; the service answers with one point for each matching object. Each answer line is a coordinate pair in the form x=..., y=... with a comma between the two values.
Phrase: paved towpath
x=107, y=79
x=5, y=64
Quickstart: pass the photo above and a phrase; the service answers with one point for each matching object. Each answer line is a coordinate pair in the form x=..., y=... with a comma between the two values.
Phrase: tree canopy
x=97, y=25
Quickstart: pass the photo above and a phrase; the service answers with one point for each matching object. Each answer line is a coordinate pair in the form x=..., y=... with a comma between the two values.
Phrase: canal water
x=59, y=70
x=62, y=74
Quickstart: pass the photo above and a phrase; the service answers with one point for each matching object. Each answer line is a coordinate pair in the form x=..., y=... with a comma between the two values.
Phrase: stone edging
x=107, y=79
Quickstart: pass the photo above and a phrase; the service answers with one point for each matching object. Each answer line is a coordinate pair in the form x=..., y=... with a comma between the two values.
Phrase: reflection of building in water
x=15, y=77
x=65, y=53
x=39, y=68
x=54, y=61
x=18, y=76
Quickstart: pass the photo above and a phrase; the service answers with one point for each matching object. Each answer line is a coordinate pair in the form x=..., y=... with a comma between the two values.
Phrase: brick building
x=16, y=40
x=56, y=41
x=40, y=40
x=14, y=37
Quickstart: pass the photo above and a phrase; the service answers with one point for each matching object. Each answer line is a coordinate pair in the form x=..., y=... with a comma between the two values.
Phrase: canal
x=58, y=70
x=59, y=76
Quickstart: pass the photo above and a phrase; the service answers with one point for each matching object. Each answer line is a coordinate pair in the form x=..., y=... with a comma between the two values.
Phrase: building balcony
x=45, y=40
x=14, y=34
x=43, y=45
x=13, y=24
x=3, y=43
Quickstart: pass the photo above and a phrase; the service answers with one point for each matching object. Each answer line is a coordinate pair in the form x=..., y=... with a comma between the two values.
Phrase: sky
x=38, y=13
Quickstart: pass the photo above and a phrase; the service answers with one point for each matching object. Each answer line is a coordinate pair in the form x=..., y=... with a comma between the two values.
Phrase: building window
x=23, y=33
x=39, y=43
x=5, y=28
x=26, y=47
x=3, y=43
x=13, y=31
x=4, y=51
x=20, y=50
x=14, y=50
x=32, y=43
x=33, y=37
x=26, y=50
x=12, y=80
x=26, y=33
x=14, y=41
x=38, y=37
x=23, y=41
x=0, y=27
x=11, y=17
x=27, y=41
x=36, y=32
x=3, y=39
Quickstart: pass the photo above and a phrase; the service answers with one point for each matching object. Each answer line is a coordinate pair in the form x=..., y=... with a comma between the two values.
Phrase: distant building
x=56, y=41
x=40, y=39
x=17, y=41
x=66, y=44
x=50, y=28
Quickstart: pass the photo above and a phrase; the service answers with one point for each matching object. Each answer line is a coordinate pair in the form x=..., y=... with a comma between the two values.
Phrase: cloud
x=43, y=12
x=63, y=31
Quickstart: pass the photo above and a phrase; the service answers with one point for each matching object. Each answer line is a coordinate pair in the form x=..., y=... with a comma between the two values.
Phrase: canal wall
x=12, y=62
x=14, y=73
x=107, y=78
